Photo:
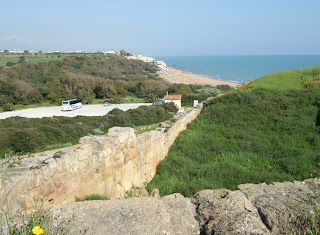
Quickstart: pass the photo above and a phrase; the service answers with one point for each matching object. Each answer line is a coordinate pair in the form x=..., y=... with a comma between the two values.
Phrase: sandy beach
x=178, y=76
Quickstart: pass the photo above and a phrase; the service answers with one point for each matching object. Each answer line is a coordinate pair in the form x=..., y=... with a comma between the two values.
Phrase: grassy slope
x=4, y=59
x=264, y=135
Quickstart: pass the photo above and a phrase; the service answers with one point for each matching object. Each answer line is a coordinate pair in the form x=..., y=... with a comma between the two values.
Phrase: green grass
x=92, y=197
x=4, y=59
x=286, y=80
x=264, y=135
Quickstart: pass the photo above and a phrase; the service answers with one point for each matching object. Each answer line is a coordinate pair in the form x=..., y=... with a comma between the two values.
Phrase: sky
x=163, y=28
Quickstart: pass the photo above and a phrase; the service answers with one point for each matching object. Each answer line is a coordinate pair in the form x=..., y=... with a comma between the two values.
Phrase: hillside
x=86, y=76
x=266, y=131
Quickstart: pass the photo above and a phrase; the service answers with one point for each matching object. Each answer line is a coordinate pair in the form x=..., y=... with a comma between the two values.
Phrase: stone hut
x=176, y=99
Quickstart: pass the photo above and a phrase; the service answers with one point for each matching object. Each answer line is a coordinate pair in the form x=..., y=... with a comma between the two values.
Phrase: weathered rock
x=139, y=191
x=222, y=211
x=172, y=214
x=155, y=193
x=276, y=203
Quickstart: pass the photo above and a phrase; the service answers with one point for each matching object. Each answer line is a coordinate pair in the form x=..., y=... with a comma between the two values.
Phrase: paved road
x=86, y=110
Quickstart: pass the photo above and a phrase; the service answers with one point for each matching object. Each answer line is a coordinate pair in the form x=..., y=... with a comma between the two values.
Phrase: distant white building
x=109, y=52
x=161, y=65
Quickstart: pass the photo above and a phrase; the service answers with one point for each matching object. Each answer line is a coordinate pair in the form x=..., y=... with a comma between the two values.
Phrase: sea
x=239, y=69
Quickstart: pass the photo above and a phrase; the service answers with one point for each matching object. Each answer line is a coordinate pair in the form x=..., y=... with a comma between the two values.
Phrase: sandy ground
x=86, y=110
x=178, y=76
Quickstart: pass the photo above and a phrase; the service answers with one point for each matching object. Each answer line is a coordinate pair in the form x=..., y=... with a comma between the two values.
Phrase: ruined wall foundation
x=108, y=165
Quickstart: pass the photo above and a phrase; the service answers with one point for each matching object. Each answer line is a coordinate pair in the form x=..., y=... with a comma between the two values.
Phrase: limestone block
x=225, y=212
x=84, y=151
x=46, y=189
x=104, y=154
x=52, y=166
x=135, y=216
x=99, y=143
x=23, y=185
x=121, y=133
x=108, y=161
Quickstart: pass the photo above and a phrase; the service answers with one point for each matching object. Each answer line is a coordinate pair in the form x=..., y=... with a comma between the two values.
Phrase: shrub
x=10, y=64
x=224, y=87
x=209, y=91
x=92, y=197
x=170, y=107
x=8, y=107
x=115, y=111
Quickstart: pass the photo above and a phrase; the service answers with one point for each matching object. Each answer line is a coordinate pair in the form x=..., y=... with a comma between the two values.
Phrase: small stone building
x=176, y=99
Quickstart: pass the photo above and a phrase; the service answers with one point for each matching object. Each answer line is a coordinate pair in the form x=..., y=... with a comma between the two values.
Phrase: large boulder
x=172, y=214
x=222, y=211
x=278, y=203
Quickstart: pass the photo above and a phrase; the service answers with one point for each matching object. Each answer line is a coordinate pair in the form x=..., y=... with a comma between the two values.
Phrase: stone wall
x=108, y=165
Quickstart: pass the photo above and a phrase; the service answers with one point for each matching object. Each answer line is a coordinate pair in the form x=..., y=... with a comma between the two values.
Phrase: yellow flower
x=37, y=230
x=33, y=211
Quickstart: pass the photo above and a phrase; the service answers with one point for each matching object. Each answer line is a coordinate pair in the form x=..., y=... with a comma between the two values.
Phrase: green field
x=269, y=133
x=289, y=80
x=4, y=59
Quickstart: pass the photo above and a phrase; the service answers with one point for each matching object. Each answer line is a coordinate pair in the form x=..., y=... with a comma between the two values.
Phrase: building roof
x=172, y=97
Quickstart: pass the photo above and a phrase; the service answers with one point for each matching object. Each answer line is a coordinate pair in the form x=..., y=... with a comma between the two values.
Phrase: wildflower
x=37, y=230
x=33, y=211
x=25, y=222
x=15, y=224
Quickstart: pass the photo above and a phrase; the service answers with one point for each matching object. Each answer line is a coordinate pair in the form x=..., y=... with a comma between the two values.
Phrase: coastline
x=179, y=76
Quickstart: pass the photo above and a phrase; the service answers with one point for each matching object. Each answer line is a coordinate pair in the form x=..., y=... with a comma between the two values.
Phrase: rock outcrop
x=251, y=209
x=172, y=214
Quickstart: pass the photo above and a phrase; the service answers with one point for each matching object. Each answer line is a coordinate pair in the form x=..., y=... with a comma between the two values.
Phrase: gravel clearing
x=86, y=110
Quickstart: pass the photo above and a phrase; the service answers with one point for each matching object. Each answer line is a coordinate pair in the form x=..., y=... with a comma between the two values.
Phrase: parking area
x=86, y=110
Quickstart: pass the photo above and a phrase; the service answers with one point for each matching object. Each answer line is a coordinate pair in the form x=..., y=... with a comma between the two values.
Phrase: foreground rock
x=225, y=212
x=251, y=209
x=255, y=208
x=172, y=214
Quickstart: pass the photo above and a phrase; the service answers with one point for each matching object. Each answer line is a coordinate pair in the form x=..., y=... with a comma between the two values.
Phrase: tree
x=6, y=51
x=124, y=53
x=25, y=51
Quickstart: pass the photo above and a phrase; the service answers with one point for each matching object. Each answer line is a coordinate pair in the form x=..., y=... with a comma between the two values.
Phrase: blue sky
x=163, y=28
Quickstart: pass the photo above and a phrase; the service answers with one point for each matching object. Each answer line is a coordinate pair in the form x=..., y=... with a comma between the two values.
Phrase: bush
x=209, y=91
x=187, y=100
x=92, y=197
x=224, y=87
x=10, y=64
x=170, y=107
x=8, y=107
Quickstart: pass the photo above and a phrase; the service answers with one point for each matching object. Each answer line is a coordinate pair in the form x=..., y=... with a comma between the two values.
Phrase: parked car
x=158, y=102
x=106, y=104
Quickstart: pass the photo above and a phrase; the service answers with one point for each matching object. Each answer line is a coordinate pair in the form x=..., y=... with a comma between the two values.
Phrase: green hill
x=38, y=80
x=268, y=130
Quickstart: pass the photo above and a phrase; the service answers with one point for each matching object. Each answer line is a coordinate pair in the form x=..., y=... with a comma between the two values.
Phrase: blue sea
x=239, y=68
